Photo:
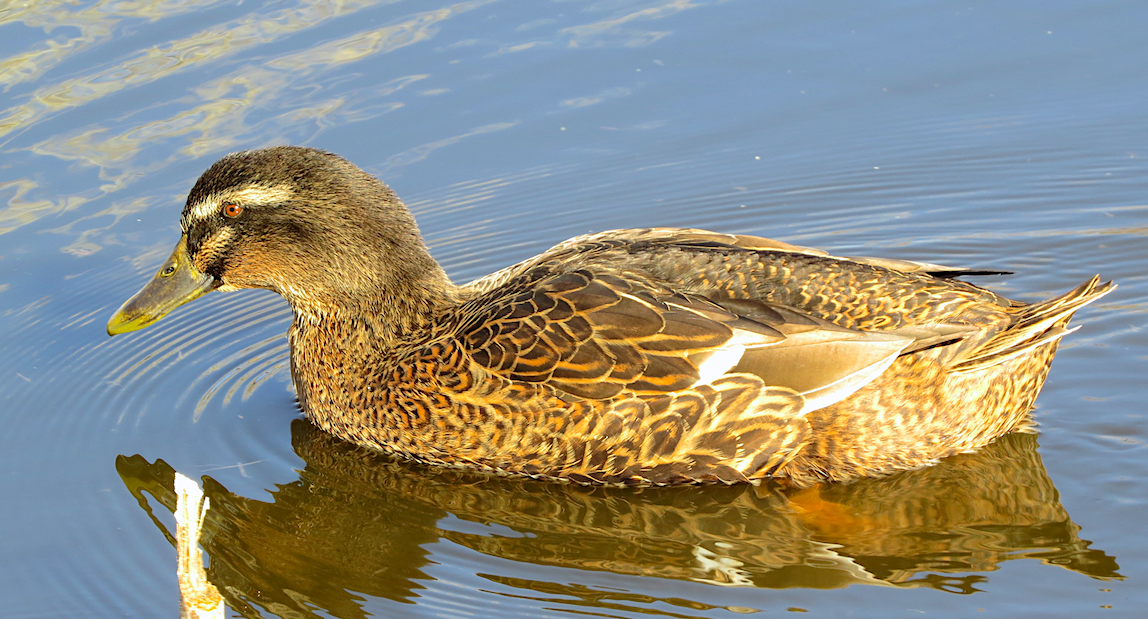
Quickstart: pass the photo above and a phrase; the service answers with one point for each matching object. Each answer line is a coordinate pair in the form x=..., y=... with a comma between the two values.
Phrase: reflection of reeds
x=198, y=598
x=356, y=521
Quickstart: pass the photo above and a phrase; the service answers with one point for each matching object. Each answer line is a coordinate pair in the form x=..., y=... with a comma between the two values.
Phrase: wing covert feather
x=596, y=336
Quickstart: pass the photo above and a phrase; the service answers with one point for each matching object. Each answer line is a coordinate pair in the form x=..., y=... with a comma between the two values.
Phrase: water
x=1008, y=136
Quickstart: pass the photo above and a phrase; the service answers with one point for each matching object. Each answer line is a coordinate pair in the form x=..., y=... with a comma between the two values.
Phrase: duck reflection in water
x=358, y=521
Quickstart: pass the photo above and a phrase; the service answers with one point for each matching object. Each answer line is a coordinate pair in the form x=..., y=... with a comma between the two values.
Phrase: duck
x=653, y=356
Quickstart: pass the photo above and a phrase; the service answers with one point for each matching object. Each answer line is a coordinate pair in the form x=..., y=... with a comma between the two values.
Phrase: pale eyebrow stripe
x=258, y=194
x=255, y=194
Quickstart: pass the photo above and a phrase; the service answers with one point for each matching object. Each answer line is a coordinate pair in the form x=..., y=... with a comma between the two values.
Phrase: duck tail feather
x=1036, y=325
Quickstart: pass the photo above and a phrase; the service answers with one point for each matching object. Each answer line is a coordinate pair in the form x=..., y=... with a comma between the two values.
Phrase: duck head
x=302, y=222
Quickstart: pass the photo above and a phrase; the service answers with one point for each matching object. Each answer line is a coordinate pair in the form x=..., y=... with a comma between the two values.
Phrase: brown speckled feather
x=649, y=356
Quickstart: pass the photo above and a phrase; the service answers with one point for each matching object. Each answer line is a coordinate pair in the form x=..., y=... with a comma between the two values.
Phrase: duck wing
x=685, y=355
x=598, y=335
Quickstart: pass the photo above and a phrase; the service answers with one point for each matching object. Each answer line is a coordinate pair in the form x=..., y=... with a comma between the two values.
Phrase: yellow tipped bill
x=176, y=283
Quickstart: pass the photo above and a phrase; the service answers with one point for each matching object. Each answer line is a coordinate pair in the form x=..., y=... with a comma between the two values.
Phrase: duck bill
x=176, y=283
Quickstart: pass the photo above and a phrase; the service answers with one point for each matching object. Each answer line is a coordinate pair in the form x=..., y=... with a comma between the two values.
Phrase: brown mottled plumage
x=654, y=356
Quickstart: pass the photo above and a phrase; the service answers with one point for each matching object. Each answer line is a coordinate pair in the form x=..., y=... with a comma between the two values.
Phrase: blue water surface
x=1010, y=136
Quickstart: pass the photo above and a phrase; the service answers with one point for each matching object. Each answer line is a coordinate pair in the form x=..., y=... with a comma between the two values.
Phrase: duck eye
x=232, y=209
x=168, y=270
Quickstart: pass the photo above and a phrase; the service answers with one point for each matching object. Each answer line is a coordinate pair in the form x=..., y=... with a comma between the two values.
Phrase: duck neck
x=387, y=306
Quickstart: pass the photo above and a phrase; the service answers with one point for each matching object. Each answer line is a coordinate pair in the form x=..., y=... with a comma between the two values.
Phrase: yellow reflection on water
x=96, y=23
x=619, y=29
x=157, y=62
x=20, y=210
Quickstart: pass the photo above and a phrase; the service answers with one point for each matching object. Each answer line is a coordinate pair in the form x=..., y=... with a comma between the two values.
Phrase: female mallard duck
x=653, y=356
